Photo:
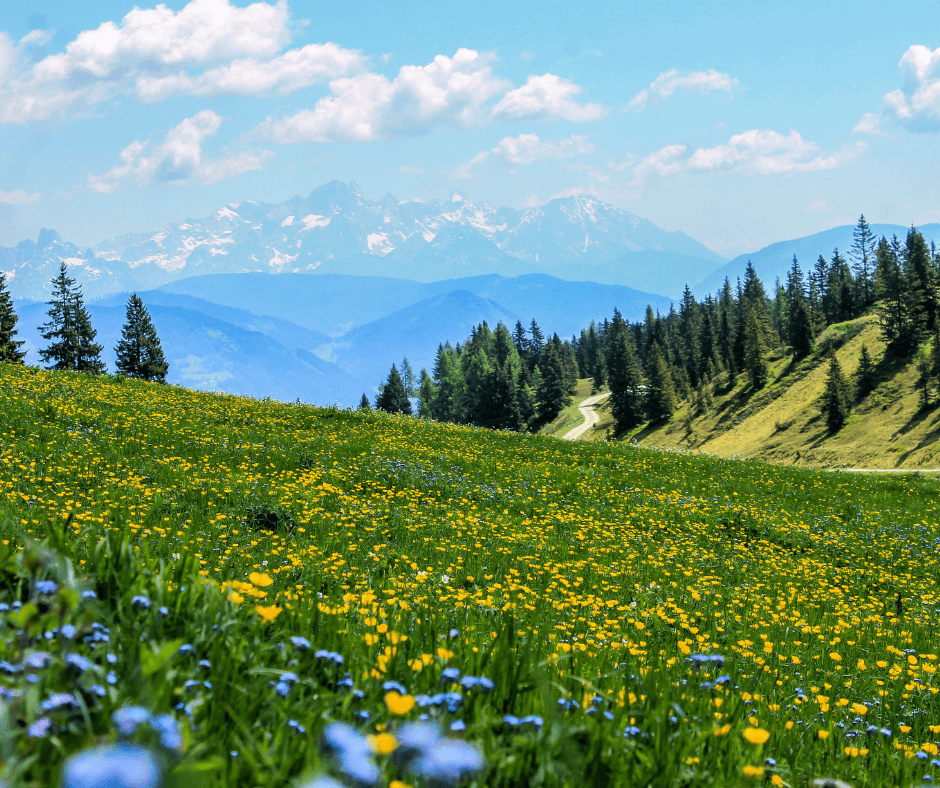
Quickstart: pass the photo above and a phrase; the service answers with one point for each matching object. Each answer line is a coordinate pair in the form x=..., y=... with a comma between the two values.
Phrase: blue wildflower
x=46, y=587
x=89, y=595
x=78, y=663
x=168, y=731
x=300, y=643
x=116, y=766
x=129, y=718
x=40, y=728
x=59, y=700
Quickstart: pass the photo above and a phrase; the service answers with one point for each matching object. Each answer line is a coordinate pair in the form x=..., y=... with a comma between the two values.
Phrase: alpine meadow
x=469, y=395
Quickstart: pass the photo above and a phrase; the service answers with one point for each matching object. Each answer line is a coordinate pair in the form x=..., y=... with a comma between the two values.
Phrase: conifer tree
x=864, y=375
x=448, y=403
x=897, y=323
x=69, y=329
x=863, y=263
x=754, y=361
x=661, y=393
x=10, y=352
x=426, y=392
x=835, y=404
x=393, y=398
x=139, y=353
x=921, y=283
x=553, y=389
x=521, y=341
x=408, y=378
x=364, y=403
x=626, y=381
x=536, y=344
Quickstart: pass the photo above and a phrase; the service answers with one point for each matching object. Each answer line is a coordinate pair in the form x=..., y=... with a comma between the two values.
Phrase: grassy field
x=782, y=423
x=222, y=579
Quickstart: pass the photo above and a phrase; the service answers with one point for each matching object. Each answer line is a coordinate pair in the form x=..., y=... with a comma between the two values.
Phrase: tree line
x=71, y=336
x=517, y=380
x=496, y=378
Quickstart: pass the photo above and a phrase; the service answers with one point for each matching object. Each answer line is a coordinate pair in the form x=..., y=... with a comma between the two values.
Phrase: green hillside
x=215, y=582
x=783, y=423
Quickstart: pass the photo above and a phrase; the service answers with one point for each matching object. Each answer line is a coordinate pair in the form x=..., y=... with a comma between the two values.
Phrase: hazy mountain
x=334, y=304
x=210, y=354
x=775, y=260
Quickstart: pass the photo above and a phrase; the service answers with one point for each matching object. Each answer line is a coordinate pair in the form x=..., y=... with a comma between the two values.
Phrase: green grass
x=575, y=577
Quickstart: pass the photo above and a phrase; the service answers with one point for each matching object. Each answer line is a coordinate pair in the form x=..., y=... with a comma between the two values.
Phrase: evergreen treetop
x=139, y=352
x=69, y=331
x=10, y=352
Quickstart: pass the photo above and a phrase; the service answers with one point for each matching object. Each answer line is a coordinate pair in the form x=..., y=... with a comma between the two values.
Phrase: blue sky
x=739, y=123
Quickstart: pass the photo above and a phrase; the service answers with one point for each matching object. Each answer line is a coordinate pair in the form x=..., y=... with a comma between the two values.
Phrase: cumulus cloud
x=669, y=82
x=869, y=123
x=447, y=92
x=208, y=47
x=17, y=197
x=548, y=97
x=528, y=149
x=755, y=152
x=917, y=104
x=180, y=158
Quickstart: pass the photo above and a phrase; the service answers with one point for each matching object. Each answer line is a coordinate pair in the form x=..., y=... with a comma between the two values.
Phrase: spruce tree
x=754, y=349
x=801, y=332
x=536, y=344
x=898, y=327
x=835, y=404
x=626, y=381
x=552, y=393
x=426, y=393
x=10, y=352
x=408, y=378
x=139, y=353
x=364, y=402
x=864, y=375
x=921, y=283
x=393, y=398
x=661, y=393
x=863, y=263
x=69, y=329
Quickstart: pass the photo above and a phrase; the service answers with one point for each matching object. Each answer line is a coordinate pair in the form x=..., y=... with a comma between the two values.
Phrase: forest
x=518, y=380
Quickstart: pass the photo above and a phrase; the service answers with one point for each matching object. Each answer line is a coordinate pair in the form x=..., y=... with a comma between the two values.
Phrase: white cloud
x=17, y=197
x=527, y=149
x=869, y=123
x=548, y=97
x=917, y=104
x=407, y=169
x=180, y=158
x=669, y=82
x=755, y=152
x=208, y=47
x=446, y=92
x=295, y=69
x=818, y=205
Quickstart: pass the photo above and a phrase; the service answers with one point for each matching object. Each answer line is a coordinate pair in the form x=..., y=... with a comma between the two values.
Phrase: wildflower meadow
x=215, y=591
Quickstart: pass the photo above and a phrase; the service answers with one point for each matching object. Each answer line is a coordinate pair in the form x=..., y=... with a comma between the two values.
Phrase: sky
x=740, y=124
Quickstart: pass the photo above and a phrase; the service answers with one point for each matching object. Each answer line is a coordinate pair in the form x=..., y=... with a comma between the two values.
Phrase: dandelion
x=399, y=704
x=756, y=735
x=268, y=613
x=753, y=771
x=260, y=580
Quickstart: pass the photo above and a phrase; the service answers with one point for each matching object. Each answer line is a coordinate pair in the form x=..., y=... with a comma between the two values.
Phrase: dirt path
x=590, y=415
x=888, y=470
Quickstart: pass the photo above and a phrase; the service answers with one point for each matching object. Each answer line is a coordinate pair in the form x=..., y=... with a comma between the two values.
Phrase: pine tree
x=754, y=349
x=626, y=381
x=69, y=329
x=835, y=404
x=864, y=375
x=408, y=378
x=661, y=393
x=426, y=392
x=863, y=263
x=364, y=403
x=448, y=403
x=921, y=283
x=393, y=398
x=10, y=352
x=139, y=353
x=552, y=393
x=801, y=332
x=898, y=328
x=536, y=344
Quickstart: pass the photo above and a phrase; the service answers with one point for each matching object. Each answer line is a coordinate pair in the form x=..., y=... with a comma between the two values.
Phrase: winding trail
x=888, y=470
x=590, y=415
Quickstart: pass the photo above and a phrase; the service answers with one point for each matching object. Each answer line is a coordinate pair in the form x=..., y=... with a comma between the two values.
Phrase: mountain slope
x=775, y=260
x=783, y=423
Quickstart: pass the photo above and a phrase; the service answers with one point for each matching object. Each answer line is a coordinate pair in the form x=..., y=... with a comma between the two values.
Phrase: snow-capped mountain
x=337, y=230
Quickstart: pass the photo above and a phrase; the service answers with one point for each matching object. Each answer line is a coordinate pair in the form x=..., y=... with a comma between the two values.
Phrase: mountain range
x=337, y=230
